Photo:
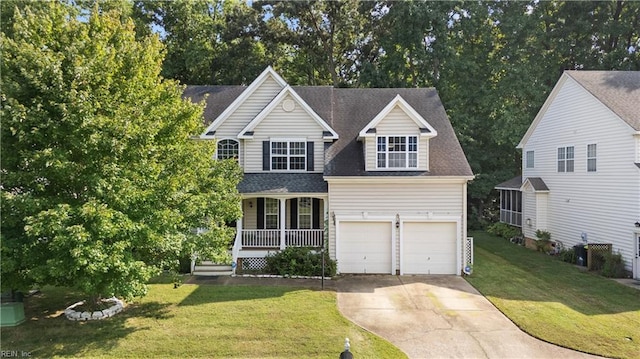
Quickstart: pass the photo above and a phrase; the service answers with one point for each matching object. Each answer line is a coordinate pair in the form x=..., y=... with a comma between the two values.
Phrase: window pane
x=530, y=159
x=397, y=160
x=304, y=213
x=297, y=163
x=570, y=152
x=271, y=213
x=569, y=165
x=591, y=158
x=382, y=144
x=382, y=160
x=413, y=160
x=278, y=163
x=278, y=148
x=297, y=148
x=413, y=143
x=397, y=144
x=227, y=149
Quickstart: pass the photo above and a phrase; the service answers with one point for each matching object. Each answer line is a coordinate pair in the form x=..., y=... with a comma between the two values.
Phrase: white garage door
x=429, y=248
x=364, y=247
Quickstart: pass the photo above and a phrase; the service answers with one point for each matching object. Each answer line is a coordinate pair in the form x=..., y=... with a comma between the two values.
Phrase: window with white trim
x=271, y=209
x=305, y=210
x=227, y=148
x=530, y=159
x=591, y=157
x=566, y=159
x=397, y=152
x=289, y=155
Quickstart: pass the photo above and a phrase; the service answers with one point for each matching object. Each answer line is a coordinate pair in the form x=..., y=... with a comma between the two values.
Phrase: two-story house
x=380, y=170
x=581, y=165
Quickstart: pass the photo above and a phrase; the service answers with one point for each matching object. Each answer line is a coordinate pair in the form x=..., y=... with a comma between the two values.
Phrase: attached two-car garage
x=424, y=247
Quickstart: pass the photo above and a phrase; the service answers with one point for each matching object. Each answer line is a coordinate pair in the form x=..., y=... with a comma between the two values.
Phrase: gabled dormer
x=397, y=139
x=286, y=136
x=246, y=106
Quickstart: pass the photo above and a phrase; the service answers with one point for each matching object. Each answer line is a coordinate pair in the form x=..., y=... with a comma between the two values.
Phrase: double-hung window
x=289, y=155
x=271, y=220
x=397, y=152
x=304, y=213
x=530, y=159
x=565, y=159
x=591, y=157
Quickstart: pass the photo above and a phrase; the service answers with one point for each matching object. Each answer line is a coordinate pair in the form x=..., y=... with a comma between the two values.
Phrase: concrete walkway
x=438, y=317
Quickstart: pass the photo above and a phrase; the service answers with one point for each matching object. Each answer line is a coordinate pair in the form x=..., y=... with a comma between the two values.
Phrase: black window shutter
x=316, y=214
x=266, y=155
x=309, y=156
x=293, y=203
x=260, y=205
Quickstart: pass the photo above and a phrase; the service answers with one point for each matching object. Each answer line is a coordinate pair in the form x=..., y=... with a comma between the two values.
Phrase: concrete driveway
x=438, y=317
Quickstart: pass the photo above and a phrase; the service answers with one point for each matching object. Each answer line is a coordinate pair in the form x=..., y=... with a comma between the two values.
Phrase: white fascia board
x=268, y=72
x=543, y=110
x=318, y=195
x=404, y=106
x=398, y=179
x=267, y=110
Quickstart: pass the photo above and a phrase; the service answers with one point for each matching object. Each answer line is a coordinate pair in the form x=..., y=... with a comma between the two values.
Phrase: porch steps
x=211, y=269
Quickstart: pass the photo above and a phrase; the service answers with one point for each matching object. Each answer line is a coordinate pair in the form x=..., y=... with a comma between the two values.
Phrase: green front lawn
x=555, y=301
x=193, y=321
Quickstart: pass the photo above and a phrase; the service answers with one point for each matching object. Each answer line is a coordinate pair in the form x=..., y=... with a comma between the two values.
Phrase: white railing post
x=283, y=222
x=237, y=246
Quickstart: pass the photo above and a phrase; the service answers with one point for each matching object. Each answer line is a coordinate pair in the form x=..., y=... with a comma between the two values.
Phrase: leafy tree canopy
x=101, y=185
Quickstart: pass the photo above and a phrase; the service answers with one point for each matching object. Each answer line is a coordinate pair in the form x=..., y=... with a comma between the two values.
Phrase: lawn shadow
x=233, y=289
x=508, y=271
x=47, y=332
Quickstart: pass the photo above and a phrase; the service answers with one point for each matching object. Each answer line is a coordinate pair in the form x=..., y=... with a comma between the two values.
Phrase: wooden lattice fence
x=595, y=251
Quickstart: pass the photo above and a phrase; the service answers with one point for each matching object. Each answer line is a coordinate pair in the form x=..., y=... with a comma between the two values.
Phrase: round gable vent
x=288, y=105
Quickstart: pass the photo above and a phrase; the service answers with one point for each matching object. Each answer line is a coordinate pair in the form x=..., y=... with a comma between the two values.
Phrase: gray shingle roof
x=272, y=182
x=513, y=183
x=618, y=90
x=348, y=111
x=537, y=183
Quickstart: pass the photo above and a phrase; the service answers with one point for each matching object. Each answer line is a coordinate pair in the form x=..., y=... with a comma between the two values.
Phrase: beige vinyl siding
x=241, y=117
x=281, y=124
x=604, y=204
x=397, y=123
x=386, y=199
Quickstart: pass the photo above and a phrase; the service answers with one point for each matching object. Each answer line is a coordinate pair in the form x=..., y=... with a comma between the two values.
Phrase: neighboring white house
x=581, y=165
x=381, y=168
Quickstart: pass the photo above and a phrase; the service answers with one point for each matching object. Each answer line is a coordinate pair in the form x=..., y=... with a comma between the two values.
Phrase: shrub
x=503, y=230
x=543, y=235
x=613, y=266
x=568, y=255
x=303, y=261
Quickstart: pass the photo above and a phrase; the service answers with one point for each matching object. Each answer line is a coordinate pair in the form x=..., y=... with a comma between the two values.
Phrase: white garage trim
x=373, y=219
x=458, y=239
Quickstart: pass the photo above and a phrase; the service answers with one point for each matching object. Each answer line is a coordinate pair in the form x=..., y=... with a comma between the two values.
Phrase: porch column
x=325, y=219
x=283, y=221
x=239, y=232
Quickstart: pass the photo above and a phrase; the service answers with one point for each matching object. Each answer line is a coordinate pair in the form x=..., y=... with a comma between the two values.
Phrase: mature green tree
x=207, y=42
x=101, y=185
x=325, y=42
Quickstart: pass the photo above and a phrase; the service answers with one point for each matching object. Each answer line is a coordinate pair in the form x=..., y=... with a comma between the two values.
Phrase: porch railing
x=270, y=238
x=304, y=237
x=261, y=238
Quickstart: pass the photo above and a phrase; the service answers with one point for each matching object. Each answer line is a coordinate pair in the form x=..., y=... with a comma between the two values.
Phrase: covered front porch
x=270, y=223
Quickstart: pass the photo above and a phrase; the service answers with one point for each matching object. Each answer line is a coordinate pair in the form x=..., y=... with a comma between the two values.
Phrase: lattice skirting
x=254, y=263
